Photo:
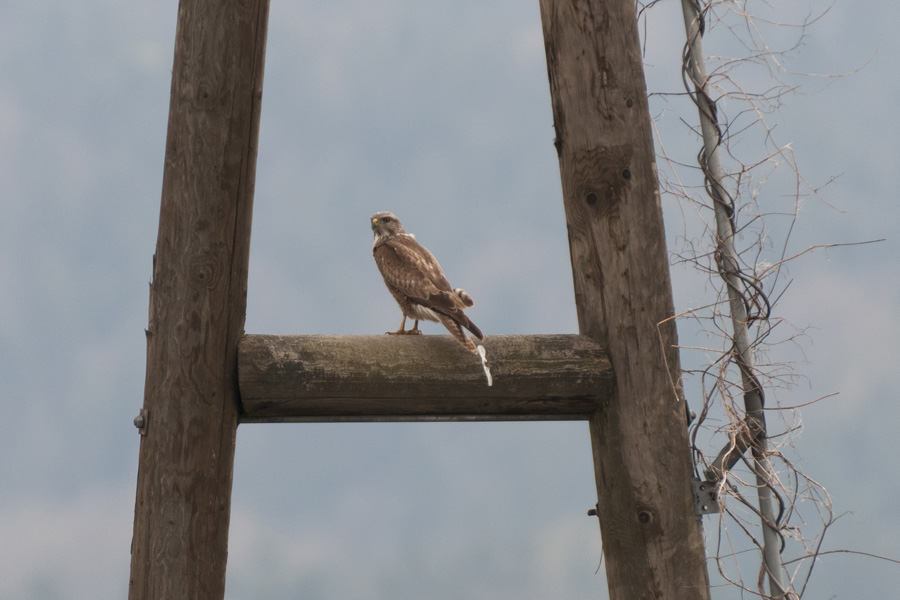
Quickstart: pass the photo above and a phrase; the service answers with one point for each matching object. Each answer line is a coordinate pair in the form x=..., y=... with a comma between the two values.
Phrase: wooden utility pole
x=198, y=302
x=652, y=540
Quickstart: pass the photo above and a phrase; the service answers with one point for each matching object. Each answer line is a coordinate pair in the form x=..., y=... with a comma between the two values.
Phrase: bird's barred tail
x=457, y=332
x=462, y=318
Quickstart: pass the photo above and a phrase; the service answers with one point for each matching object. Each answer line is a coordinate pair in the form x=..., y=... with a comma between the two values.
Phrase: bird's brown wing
x=410, y=269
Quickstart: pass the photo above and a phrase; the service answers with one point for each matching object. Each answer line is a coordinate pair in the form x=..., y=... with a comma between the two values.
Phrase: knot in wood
x=206, y=94
x=204, y=273
x=601, y=177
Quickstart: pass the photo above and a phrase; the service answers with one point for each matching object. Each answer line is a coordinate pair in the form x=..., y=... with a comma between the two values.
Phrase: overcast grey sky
x=439, y=112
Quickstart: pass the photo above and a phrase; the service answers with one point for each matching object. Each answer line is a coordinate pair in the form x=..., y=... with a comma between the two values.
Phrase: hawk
x=415, y=279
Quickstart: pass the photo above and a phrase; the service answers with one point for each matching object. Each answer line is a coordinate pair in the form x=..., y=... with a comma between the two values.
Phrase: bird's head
x=386, y=224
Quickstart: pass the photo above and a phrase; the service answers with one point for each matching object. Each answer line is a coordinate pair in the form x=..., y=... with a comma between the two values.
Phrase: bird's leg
x=403, y=331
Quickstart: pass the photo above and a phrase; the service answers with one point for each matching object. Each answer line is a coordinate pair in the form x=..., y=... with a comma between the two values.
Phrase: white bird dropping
x=487, y=370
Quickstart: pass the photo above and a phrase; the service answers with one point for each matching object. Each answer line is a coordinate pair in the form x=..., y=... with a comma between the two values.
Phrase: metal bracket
x=140, y=422
x=705, y=502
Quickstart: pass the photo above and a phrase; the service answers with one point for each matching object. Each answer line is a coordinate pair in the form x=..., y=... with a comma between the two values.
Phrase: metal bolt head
x=140, y=422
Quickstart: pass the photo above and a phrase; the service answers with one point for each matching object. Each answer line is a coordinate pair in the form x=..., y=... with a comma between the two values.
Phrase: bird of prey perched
x=417, y=283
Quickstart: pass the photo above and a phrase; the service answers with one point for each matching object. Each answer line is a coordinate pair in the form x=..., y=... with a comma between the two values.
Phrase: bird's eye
x=386, y=219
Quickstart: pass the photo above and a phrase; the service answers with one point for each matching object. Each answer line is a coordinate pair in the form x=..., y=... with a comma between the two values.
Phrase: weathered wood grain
x=652, y=540
x=373, y=378
x=197, y=302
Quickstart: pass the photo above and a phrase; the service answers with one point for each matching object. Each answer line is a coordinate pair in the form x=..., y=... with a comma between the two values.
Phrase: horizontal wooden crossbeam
x=284, y=378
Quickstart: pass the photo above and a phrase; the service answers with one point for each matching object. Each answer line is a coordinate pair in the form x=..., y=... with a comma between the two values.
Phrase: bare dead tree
x=773, y=516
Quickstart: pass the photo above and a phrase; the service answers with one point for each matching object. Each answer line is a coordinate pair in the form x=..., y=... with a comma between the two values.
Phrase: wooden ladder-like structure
x=620, y=374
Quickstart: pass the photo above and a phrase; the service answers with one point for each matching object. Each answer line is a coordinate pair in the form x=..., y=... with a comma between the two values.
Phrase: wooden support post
x=197, y=302
x=652, y=539
x=420, y=378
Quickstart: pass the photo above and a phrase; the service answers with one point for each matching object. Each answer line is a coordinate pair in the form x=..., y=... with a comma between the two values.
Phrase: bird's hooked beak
x=377, y=227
